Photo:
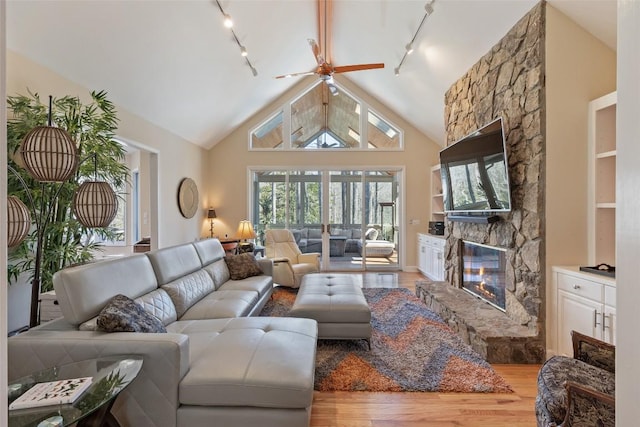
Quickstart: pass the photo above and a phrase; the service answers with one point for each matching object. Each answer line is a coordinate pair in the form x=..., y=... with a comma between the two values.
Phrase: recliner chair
x=289, y=263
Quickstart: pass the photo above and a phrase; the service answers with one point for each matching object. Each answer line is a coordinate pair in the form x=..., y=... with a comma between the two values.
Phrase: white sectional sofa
x=214, y=367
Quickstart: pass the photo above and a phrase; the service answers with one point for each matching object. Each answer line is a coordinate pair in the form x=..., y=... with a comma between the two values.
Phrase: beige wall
x=579, y=68
x=228, y=162
x=177, y=158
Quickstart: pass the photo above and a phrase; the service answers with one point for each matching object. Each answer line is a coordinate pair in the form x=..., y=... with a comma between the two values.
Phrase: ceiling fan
x=322, y=52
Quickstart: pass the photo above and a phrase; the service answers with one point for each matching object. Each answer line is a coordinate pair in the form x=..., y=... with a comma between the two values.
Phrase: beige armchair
x=289, y=263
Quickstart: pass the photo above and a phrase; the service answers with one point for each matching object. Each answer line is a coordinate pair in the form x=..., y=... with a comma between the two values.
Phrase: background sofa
x=309, y=239
x=214, y=366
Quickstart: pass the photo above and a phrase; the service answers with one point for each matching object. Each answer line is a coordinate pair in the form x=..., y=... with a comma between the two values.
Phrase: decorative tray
x=602, y=269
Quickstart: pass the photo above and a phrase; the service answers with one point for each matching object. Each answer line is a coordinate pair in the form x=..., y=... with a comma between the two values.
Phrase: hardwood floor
x=362, y=409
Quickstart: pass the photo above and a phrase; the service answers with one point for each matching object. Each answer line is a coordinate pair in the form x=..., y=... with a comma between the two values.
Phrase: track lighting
x=228, y=22
x=428, y=10
x=409, y=48
x=243, y=50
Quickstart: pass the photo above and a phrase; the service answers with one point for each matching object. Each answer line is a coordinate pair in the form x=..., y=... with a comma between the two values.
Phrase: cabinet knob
x=576, y=286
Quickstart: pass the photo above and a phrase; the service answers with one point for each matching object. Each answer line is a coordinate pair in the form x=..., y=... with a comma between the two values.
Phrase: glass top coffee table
x=111, y=374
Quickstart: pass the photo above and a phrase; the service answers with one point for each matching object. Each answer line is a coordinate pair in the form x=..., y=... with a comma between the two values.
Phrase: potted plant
x=92, y=127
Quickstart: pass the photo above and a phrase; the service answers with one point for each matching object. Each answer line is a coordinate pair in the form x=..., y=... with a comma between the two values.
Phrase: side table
x=111, y=375
x=230, y=246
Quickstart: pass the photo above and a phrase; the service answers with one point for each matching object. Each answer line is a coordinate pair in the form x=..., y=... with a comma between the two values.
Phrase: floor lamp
x=50, y=156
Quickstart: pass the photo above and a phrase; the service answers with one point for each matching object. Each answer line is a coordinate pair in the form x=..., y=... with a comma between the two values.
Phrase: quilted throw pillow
x=122, y=314
x=242, y=266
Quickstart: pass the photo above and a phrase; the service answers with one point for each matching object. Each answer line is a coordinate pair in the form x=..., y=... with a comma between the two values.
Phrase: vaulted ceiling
x=173, y=63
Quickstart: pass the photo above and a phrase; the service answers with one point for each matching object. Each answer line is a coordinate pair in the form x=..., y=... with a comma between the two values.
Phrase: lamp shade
x=95, y=204
x=211, y=213
x=18, y=221
x=245, y=230
x=49, y=154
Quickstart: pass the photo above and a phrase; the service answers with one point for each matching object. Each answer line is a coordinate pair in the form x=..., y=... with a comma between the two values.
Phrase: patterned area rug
x=412, y=349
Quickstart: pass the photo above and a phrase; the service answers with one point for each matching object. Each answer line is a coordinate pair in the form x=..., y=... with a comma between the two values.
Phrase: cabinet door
x=577, y=314
x=422, y=254
x=609, y=325
x=438, y=268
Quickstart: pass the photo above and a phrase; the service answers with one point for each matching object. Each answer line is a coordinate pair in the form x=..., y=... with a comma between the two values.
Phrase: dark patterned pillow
x=122, y=314
x=242, y=266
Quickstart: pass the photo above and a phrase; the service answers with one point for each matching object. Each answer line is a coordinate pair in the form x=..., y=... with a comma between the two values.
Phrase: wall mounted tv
x=475, y=176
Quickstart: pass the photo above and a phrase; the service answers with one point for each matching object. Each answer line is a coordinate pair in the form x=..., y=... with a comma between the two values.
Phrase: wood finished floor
x=362, y=409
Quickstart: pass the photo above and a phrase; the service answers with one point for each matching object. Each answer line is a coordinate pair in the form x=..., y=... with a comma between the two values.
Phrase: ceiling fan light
x=409, y=48
x=243, y=51
x=228, y=22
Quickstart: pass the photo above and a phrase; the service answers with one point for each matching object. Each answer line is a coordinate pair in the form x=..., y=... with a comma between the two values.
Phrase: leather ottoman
x=337, y=303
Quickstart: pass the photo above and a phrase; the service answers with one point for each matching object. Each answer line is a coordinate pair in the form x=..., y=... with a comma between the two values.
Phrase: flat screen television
x=474, y=171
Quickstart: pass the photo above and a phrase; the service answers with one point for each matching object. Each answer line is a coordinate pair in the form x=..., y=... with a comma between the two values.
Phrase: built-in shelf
x=602, y=180
x=604, y=155
x=437, y=196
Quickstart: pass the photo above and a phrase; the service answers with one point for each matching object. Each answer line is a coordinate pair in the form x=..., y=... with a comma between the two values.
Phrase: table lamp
x=245, y=231
x=211, y=214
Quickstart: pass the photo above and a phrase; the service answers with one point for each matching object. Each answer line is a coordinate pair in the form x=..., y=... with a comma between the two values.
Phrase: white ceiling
x=174, y=64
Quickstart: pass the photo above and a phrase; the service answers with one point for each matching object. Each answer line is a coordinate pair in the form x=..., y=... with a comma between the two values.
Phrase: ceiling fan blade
x=316, y=51
x=359, y=67
x=286, y=76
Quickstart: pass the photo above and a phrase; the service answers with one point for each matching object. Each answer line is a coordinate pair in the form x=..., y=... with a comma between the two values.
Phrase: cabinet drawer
x=610, y=296
x=582, y=287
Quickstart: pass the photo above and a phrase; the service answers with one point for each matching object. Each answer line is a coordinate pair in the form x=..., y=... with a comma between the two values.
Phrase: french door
x=350, y=216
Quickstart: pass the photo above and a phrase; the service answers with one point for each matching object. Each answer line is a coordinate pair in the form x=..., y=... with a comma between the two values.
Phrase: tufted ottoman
x=336, y=302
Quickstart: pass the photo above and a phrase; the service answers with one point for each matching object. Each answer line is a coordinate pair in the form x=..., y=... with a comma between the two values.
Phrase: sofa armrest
x=587, y=406
x=266, y=265
x=593, y=351
x=150, y=400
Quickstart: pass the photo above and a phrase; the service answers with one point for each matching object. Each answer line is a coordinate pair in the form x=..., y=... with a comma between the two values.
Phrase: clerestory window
x=318, y=120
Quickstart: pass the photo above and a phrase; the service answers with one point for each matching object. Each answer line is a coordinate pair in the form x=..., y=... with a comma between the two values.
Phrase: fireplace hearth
x=483, y=273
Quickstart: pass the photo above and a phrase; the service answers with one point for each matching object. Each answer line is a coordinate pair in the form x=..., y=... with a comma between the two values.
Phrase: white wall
x=627, y=217
x=177, y=157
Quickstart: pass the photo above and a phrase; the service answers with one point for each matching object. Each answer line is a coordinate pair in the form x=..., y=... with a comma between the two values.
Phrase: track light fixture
x=428, y=10
x=228, y=22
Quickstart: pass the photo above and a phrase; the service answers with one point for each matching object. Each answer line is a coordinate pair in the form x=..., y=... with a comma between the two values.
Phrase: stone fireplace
x=483, y=273
x=507, y=82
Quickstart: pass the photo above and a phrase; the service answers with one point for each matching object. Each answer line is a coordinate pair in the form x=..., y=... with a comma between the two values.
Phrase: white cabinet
x=585, y=303
x=602, y=180
x=431, y=256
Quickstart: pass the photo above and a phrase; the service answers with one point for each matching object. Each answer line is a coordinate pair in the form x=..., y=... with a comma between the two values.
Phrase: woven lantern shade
x=18, y=221
x=49, y=154
x=95, y=204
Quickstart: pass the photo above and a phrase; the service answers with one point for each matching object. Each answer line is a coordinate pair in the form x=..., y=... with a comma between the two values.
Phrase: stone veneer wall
x=509, y=82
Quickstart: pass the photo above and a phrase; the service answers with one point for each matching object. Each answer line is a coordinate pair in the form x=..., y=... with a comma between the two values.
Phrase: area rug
x=412, y=349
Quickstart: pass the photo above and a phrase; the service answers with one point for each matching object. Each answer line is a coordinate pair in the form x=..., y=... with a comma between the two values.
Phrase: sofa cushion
x=209, y=250
x=242, y=266
x=257, y=361
x=84, y=290
x=174, y=262
x=188, y=290
x=371, y=234
x=219, y=272
x=122, y=314
x=159, y=304
x=315, y=233
x=259, y=284
x=356, y=233
x=222, y=303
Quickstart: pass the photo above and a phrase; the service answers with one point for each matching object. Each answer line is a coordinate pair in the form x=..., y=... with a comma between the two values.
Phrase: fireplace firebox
x=483, y=272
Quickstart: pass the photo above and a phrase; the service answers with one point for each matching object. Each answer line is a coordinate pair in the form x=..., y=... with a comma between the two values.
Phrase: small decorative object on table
x=57, y=392
x=602, y=269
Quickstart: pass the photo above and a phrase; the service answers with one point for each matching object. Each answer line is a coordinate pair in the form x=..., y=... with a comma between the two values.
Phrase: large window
x=318, y=120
